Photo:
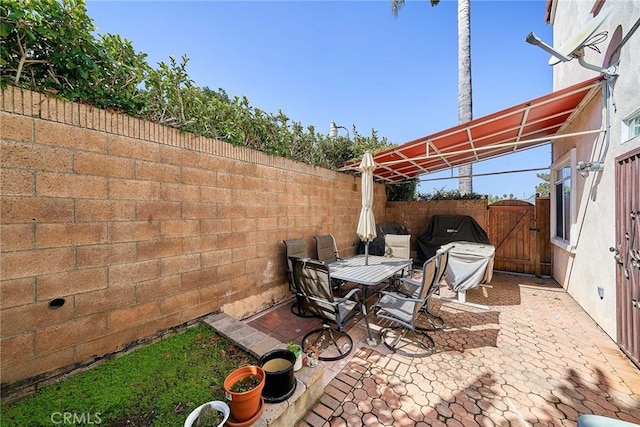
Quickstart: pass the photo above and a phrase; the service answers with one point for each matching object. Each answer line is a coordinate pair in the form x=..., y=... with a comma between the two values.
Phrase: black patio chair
x=296, y=248
x=403, y=313
x=313, y=284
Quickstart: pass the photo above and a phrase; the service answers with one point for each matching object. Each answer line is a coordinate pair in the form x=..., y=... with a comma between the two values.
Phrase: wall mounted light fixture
x=585, y=167
x=333, y=130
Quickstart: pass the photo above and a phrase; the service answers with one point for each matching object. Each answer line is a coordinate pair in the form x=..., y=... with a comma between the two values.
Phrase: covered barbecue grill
x=444, y=229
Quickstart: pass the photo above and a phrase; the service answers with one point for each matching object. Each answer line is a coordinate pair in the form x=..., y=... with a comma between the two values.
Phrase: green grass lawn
x=157, y=385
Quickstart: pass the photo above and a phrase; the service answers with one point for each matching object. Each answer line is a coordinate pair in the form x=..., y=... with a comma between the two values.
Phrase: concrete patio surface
x=535, y=358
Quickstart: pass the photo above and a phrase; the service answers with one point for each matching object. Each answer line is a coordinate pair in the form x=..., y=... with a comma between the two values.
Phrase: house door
x=628, y=253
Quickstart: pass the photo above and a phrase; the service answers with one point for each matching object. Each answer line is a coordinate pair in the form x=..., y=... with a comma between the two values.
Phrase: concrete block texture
x=140, y=227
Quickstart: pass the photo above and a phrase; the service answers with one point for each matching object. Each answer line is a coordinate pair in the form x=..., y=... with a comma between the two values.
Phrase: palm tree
x=465, y=183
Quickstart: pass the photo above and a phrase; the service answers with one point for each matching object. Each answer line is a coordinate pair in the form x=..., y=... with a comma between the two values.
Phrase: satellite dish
x=576, y=42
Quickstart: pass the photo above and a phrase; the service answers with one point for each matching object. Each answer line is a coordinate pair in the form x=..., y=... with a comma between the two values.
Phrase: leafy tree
x=405, y=191
x=173, y=99
x=543, y=189
x=505, y=196
x=122, y=71
x=48, y=45
x=465, y=111
x=442, y=194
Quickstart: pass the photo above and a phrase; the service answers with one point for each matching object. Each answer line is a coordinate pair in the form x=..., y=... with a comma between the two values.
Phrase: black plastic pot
x=280, y=381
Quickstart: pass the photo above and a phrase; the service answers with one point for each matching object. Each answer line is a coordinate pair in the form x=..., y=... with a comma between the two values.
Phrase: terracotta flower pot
x=244, y=405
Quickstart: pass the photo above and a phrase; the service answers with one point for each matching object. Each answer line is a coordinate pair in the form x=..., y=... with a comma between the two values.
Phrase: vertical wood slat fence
x=520, y=232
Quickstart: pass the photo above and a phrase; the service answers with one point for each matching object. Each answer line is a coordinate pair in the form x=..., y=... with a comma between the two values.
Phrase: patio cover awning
x=523, y=126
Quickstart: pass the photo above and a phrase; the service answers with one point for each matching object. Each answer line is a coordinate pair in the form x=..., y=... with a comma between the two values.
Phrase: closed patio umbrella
x=367, y=223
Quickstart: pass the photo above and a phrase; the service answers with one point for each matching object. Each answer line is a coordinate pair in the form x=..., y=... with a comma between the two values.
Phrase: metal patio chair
x=313, y=285
x=327, y=252
x=404, y=336
x=326, y=248
x=410, y=287
x=398, y=246
x=295, y=248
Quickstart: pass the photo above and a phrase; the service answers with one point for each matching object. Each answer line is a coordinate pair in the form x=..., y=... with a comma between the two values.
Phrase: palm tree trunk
x=465, y=183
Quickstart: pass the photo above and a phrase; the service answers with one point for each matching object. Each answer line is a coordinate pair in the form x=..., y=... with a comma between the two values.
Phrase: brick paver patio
x=534, y=359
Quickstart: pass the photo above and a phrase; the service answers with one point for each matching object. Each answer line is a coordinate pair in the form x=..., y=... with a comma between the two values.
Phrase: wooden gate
x=627, y=253
x=519, y=231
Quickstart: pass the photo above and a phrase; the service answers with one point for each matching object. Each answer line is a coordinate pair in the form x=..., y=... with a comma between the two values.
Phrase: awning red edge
x=587, y=85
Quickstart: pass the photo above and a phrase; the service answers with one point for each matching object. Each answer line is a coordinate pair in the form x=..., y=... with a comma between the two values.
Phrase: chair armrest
x=398, y=297
x=312, y=298
x=354, y=291
x=410, y=281
x=338, y=301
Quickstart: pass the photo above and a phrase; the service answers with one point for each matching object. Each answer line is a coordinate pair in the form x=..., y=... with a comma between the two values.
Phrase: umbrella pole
x=366, y=253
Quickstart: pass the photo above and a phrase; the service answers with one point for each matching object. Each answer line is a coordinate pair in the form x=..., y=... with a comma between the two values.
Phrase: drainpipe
x=610, y=81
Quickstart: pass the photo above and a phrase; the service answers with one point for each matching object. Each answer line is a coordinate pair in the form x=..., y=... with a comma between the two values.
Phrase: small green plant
x=246, y=384
x=294, y=348
x=209, y=417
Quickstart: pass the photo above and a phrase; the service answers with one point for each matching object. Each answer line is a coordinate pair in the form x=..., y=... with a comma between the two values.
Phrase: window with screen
x=632, y=123
x=563, y=200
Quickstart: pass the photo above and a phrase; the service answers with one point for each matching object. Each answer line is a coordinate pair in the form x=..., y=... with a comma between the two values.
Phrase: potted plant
x=210, y=414
x=280, y=380
x=243, y=388
x=297, y=350
x=312, y=353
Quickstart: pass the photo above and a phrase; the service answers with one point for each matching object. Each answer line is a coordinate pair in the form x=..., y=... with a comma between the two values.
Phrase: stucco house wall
x=589, y=264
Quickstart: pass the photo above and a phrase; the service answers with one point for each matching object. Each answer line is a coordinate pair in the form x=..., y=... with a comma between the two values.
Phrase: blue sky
x=353, y=62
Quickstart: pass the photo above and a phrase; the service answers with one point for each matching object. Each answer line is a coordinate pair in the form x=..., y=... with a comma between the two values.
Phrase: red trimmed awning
x=523, y=126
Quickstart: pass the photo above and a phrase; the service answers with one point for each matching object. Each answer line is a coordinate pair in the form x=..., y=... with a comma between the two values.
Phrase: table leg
x=370, y=339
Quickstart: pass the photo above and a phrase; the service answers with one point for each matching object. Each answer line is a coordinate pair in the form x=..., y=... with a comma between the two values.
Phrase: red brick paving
x=535, y=359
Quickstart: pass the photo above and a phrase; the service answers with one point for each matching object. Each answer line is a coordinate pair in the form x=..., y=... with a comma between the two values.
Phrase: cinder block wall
x=415, y=215
x=140, y=227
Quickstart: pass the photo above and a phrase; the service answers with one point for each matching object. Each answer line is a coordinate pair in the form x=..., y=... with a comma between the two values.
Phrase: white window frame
x=629, y=123
x=569, y=159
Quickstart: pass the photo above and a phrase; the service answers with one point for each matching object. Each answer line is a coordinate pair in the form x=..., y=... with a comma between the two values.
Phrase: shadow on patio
x=535, y=358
